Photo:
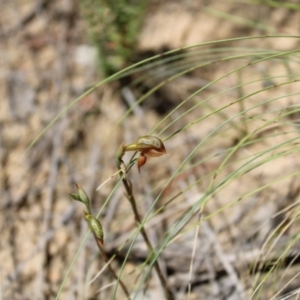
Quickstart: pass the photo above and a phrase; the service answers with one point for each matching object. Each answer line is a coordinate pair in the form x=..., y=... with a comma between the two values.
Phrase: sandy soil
x=47, y=61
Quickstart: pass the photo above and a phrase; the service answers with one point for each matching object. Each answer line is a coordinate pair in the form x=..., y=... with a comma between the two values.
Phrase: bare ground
x=46, y=62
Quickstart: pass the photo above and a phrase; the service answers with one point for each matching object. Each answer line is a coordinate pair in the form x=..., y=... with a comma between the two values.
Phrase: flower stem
x=128, y=187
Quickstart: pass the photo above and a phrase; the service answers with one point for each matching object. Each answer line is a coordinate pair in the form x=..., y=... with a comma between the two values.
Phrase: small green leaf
x=75, y=196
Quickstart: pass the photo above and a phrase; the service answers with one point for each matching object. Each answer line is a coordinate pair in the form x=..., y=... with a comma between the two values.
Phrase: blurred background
x=52, y=52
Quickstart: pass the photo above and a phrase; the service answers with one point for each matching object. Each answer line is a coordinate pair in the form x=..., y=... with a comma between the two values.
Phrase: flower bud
x=95, y=227
x=81, y=196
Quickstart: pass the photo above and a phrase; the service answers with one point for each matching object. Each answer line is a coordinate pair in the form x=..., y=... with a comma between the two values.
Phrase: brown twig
x=129, y=194
x=112, y=271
